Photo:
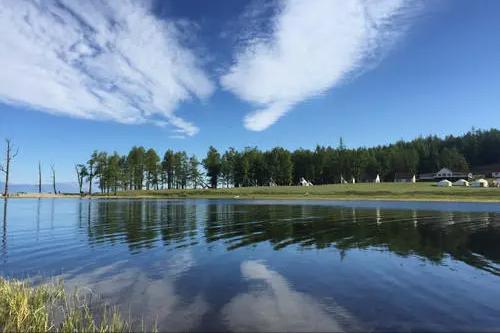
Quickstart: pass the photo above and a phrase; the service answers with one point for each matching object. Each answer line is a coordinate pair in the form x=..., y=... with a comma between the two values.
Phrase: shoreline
x=260, y=197
x=40, y=196
x=419, y=192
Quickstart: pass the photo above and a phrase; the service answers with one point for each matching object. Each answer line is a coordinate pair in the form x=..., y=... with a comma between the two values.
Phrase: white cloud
x=103, y=60
x=313, y=46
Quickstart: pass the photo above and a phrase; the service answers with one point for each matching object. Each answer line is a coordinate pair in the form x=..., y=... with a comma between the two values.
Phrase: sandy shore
x=42, y=195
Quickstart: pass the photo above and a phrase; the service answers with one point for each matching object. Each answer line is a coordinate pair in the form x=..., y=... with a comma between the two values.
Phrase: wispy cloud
x=104, y=60
x=313, y=46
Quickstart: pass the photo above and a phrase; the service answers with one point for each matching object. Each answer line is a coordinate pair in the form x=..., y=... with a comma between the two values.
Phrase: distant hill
x=67, y=187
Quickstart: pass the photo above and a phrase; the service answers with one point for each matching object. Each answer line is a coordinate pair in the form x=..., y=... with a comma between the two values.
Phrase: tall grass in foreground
x=48, y=308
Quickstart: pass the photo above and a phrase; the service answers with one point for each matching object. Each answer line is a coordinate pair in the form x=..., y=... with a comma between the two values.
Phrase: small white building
x=444, y=172
x=444, y=183
x=479, y=183
x=461, y=182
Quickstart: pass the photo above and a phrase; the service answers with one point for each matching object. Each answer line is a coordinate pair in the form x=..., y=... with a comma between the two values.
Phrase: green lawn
x=401, y=191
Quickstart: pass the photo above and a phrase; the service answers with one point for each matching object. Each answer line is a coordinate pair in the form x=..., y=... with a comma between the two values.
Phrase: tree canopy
x=142, y=168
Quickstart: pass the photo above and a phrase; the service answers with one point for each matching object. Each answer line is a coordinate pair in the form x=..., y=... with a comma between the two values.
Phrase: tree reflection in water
x=4, y=230
x=469, y=237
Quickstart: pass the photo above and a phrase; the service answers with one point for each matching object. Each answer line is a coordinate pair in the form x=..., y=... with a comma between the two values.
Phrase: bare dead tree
x=52, y=167
x=79, y=177
x=39, y=177
x=81, y=173
x=10, y=154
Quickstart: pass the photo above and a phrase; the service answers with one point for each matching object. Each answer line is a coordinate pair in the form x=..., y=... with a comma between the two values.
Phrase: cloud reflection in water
x=275, y=306
x=155, y=297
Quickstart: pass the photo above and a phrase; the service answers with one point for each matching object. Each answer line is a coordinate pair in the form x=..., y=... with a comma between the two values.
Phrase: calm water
x=268, y=265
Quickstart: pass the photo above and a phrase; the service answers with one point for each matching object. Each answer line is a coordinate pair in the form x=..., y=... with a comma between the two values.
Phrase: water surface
x=238, y=265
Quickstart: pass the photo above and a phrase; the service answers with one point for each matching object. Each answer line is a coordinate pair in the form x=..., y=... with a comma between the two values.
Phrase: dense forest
x=145, y=169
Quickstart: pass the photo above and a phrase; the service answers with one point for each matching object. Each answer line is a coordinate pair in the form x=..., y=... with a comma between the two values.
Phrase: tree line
x=145, y=169
x=139, y=169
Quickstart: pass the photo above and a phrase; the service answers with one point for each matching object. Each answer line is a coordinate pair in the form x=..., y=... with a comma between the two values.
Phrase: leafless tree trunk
x=90, y=177
x=5, y=168
x=79, y=178
x=39, y=177
x=53, y=178
x=81, y=172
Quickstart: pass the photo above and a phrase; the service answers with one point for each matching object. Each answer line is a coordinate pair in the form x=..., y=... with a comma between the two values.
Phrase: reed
x=49, y=308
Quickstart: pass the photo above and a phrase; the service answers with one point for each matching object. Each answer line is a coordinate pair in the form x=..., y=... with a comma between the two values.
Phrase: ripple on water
x=263, y=265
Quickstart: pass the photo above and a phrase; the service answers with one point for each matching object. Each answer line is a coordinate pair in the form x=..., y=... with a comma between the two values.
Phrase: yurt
x=479, y=183
x=444, y=183
x=461, y=182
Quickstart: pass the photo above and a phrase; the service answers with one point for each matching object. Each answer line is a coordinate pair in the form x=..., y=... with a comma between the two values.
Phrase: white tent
x=377, y=180
x=461, y=182
x=414, y=179
x=444, y=183
x=353, y=180
x=303, y=182
x=479, y=183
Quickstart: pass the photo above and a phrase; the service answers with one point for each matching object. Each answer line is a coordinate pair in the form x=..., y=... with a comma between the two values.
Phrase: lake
x=243, y=265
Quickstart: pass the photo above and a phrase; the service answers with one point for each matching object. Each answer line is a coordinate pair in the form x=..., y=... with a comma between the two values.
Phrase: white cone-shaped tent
x=377, y=180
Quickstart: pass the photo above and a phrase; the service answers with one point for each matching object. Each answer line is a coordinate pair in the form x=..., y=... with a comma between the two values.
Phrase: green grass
x=47, y=308
x=369, y=191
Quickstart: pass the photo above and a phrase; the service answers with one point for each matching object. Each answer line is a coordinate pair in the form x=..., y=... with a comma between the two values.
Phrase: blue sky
x=79, y=76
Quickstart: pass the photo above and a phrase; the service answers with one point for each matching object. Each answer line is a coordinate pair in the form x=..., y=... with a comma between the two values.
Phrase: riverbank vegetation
x=48, y=308
x=145, y=169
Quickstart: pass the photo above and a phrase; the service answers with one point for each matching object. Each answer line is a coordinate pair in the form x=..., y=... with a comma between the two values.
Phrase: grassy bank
x=383, y=191
x=47, y=308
